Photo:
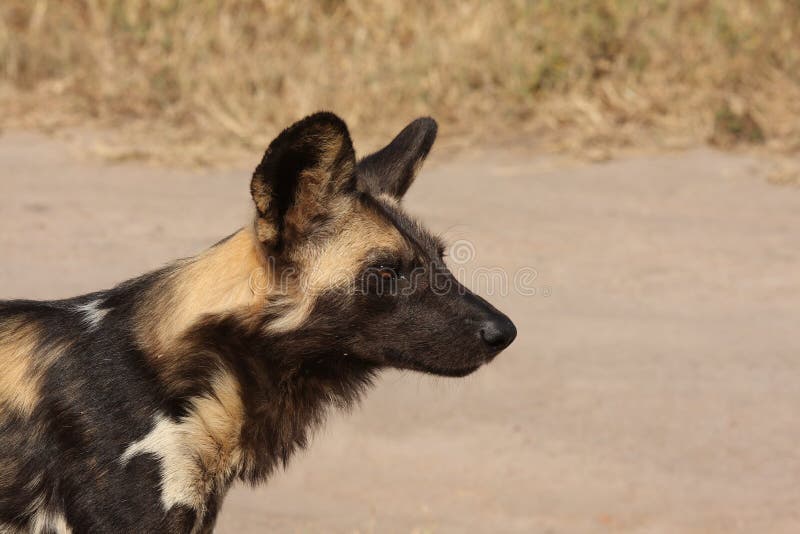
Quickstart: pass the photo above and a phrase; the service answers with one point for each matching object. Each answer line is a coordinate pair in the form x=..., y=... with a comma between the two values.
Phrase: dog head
x=356, y=274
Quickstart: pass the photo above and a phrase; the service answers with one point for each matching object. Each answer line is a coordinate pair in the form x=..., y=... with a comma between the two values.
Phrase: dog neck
x=240, y=398
x=284, y=384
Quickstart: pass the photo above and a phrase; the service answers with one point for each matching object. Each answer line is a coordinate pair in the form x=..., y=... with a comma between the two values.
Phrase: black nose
x=498, y=332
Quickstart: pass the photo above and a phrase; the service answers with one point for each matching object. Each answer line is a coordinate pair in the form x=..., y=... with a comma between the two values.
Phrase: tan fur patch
x=234, y=278
x=262, y=193
x=215, y=282
x=214, y=425
x=388, y=199
x=338, y=261
x=19, y=380
x=265, y=231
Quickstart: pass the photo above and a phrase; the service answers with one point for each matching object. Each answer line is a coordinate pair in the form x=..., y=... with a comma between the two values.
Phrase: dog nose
x=498, y=332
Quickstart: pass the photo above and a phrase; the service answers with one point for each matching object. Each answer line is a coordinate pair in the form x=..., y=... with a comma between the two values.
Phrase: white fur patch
x=92, y=313
x=180, y=472
x=45, y=520
x=199, y=452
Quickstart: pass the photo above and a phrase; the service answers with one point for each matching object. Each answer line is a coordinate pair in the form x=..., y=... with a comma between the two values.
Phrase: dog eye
x=386, y=271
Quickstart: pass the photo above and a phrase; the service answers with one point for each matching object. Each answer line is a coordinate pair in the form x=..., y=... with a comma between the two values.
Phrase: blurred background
x=639, y=160
x=196, y=82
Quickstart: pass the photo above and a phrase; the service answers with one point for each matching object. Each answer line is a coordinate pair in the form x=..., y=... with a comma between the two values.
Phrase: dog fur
x=134, y=409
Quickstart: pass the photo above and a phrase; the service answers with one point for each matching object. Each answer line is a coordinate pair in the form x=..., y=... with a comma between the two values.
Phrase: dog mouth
x=454, y=372
x=440, y=370
x=457, y=369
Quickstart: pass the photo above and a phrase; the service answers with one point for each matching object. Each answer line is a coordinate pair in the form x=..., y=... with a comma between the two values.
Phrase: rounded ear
x=392, y=169
x=301, y=173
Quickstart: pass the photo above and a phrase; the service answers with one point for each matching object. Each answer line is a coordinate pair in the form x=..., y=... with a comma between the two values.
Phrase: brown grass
x=201, y=82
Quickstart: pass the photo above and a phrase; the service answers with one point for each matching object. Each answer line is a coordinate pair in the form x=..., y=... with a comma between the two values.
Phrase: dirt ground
x=654, y=386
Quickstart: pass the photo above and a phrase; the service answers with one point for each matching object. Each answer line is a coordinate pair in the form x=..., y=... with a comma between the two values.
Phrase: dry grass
x=203, y=81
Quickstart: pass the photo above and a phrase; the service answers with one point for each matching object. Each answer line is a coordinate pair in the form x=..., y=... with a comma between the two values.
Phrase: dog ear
x=302, y=172
x=392, y=169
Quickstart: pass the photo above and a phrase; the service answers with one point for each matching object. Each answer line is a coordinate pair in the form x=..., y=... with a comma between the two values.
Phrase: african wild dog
x=134, y=409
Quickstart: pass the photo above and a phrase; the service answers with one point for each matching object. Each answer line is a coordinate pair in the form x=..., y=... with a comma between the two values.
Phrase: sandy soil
x=654, y=386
